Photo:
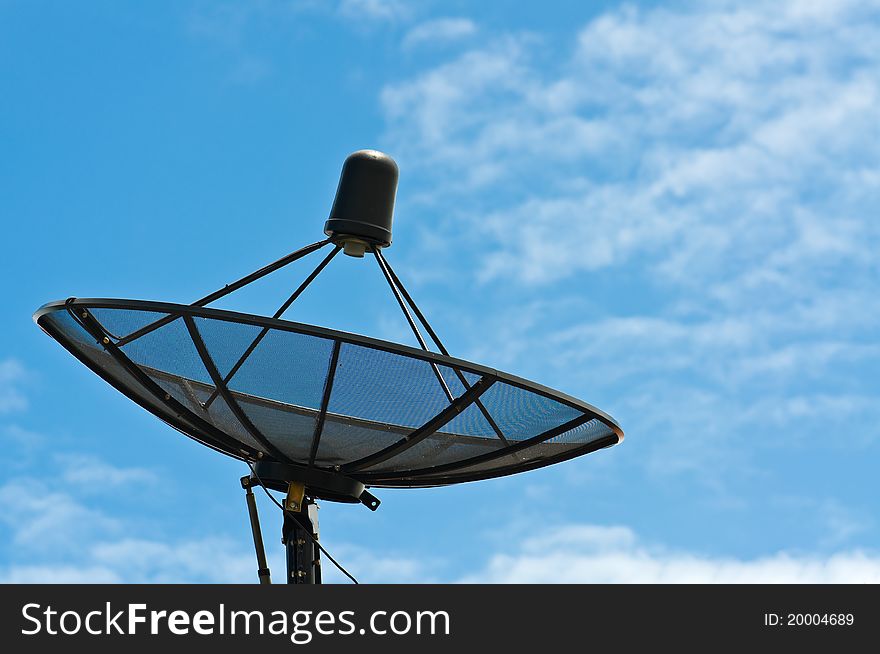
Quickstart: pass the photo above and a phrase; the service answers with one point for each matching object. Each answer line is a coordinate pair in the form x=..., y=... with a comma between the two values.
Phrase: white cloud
x=373, y=567
x=97, y=549
x=61, y=537
x=24, y=438
x=35, y=514
x=86, y=470
x=751, y=346
x=208, y=560
x=569, y=554
x=718, y=158
x=574, y=554
x=143, y=561
x=442, y=115
x=37, y=511
x=440, y=30
x=12, y=374
x=58, y=574
x=839, y=522
x=64, y=533
x=223, y=23
x=374, y=10
x=597, y=554
x=689, y=136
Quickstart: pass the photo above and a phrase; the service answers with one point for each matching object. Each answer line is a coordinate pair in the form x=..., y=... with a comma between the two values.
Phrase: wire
x=305, y=531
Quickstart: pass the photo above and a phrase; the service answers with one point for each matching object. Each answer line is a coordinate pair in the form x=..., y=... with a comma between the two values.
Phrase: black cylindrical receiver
x=364, y=204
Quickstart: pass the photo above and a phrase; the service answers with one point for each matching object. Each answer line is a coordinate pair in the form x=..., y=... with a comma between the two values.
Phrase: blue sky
x=670, y=212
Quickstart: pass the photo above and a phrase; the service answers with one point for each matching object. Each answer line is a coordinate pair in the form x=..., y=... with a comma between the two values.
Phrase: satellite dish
x=319, y=413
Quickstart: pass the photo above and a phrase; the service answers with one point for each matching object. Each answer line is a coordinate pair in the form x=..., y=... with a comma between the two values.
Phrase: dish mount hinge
x=296, y=491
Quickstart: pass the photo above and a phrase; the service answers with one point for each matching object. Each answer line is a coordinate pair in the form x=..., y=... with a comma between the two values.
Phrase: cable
x=305, y=531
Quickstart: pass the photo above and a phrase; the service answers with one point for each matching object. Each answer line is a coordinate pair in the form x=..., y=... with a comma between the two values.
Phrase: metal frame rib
x=224, y=391
x=284, y=307
x=492, y=473
x=395, y=281
x=325, y=402
x=458, y=405
x=208, y=434
x=229, y=288
x=543, y=437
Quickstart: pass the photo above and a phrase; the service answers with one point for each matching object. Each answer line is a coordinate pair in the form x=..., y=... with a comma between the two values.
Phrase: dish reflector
x=315, y=398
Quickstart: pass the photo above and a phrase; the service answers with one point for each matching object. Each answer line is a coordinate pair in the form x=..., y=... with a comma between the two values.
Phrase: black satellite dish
x=319, y=413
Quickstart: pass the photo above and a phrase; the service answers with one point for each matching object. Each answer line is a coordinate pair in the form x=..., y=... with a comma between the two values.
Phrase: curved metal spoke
x=208, y=433
x=430, y=427
x=225, y=394
x=325, y=401
x=431, y=482
x=489, y=456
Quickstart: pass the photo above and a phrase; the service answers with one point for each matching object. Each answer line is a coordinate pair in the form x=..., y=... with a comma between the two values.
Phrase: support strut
x=399, y=291
x=226, y=290
x=263, y=567
x=284, y=307
x=412, y=323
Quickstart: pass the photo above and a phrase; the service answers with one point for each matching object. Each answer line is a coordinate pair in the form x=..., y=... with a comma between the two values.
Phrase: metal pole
x=263, y=566
x=303, y=555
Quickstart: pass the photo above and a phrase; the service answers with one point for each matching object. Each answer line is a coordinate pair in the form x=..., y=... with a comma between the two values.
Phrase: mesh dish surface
x=260, y=388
